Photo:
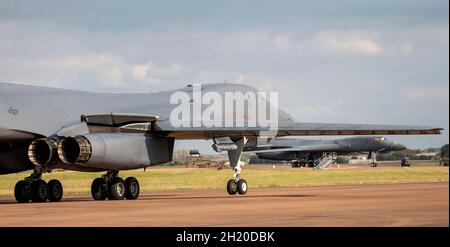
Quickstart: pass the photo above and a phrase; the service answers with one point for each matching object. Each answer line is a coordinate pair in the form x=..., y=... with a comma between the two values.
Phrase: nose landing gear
x=374, y=162
x=236, y=185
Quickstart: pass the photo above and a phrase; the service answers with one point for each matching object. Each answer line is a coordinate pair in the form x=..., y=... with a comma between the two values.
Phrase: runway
x=361, y=205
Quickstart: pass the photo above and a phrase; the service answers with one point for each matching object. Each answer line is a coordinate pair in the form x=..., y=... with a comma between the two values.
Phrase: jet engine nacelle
x=116, y=151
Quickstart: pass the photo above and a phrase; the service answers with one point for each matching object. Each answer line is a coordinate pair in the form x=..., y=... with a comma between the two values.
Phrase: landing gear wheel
x=374, y=165
x=22, y=191
x=132, y=188
x=116, y=189
x=242, y=187
x=99, y=189
x=232, y=187
x=39, y=191
x=55, y=190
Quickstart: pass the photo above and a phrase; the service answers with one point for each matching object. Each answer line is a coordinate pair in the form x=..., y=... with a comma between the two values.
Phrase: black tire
x=39, y=191
x=232, y=187
x=132, y=188
x=242, y=187
x=116, y=189
x=99, y=189
x=55, y=190
x=22, y=191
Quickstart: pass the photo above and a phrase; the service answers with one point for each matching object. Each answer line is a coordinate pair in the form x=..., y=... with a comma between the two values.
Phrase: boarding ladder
x=325, y=161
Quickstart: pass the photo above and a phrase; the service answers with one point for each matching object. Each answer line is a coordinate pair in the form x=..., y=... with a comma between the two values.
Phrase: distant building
x=427, y=156
x=196, y=160
x=358, y=159
x=194, y=153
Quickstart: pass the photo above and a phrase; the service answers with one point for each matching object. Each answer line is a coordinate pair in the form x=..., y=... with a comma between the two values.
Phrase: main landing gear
x=113, y=187
x=37, y=190
x=298, y=163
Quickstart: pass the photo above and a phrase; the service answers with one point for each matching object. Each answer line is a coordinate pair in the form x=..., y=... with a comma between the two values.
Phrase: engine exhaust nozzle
x=43, y=152
x=75, y=150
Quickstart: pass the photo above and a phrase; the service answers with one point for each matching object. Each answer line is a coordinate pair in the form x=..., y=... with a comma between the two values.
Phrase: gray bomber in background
x=307, y=152
x=42, y=129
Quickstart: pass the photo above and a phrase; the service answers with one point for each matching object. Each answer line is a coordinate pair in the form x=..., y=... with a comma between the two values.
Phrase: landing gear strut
x=373, y=155
x=113, y=187
x=37, y=190
x=236, y=185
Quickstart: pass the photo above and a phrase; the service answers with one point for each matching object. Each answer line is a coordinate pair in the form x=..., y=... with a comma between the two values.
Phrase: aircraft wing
x=119, y=122
x=355, y=129
x=297, y=129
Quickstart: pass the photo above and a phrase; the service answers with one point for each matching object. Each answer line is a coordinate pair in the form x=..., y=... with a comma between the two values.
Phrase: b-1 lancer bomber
x=42, y=129
x=321, y=153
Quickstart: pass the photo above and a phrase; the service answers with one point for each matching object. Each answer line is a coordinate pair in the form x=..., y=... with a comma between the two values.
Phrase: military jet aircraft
x=306, y=152
x=42, y=129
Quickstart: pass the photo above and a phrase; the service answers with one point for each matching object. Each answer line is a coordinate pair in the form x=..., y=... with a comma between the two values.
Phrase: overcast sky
x=378, y=61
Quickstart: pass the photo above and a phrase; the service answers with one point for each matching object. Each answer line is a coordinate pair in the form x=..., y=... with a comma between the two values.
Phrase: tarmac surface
x=352, y=205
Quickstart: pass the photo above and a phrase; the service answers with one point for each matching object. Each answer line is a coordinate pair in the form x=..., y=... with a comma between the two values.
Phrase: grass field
x=158, y=178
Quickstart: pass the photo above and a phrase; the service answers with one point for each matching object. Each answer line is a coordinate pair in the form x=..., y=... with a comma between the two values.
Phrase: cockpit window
x=380, y=138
